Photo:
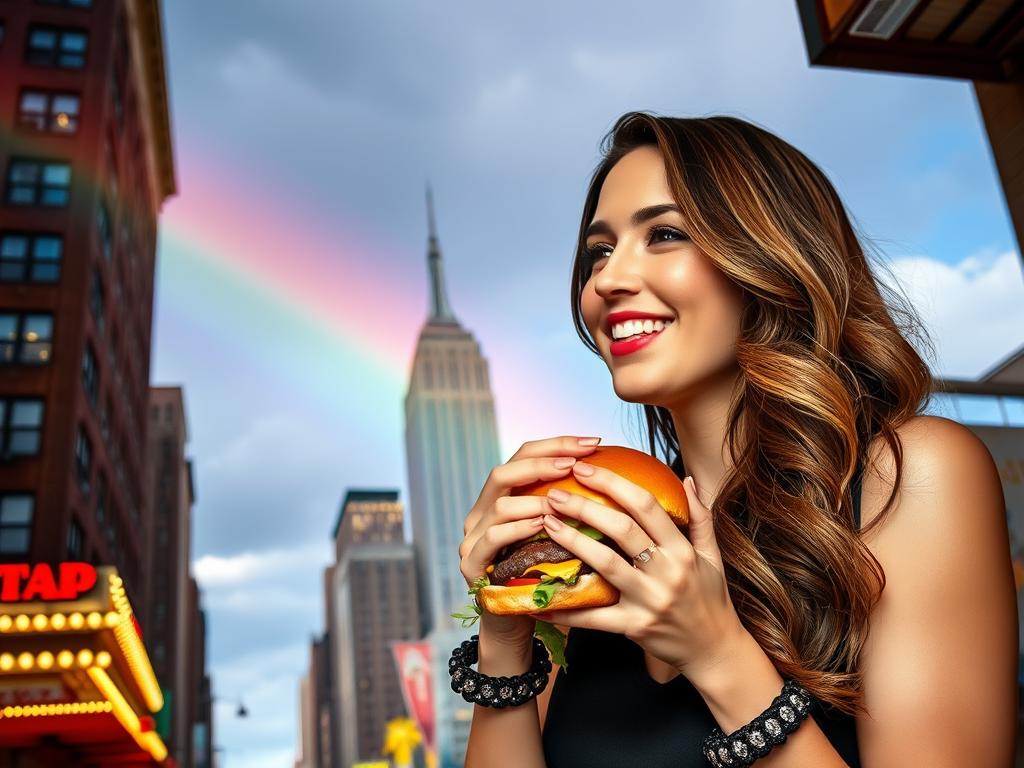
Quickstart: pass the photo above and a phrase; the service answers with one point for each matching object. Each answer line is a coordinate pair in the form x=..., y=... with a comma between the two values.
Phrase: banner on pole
x=414, y=676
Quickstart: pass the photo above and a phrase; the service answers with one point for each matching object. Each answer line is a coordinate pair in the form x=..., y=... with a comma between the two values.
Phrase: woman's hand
x=498, y=518
x=676, y=605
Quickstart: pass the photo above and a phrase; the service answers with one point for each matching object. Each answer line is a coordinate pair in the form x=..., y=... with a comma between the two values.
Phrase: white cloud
x=974, y=309
x=213, y=571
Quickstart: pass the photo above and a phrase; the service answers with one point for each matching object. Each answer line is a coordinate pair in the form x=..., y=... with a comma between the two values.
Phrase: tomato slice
x=521, y=582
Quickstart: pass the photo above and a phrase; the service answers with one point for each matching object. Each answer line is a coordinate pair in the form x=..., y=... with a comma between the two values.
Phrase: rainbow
x=247, y=273
x=260, y=286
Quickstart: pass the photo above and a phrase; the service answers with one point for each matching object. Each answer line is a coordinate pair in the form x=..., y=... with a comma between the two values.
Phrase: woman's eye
x=657, y=234
x=676, y=234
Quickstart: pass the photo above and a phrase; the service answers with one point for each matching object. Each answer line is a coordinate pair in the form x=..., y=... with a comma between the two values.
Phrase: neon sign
x=24, y=582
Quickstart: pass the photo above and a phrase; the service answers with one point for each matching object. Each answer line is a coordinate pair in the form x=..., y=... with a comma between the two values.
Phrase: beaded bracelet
x=498, y=692
x=769, y=729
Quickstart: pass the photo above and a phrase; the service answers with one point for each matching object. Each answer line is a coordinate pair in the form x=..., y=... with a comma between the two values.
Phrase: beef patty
x=513, y=562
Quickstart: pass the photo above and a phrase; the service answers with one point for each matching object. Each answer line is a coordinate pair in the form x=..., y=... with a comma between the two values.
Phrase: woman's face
x=651, y=266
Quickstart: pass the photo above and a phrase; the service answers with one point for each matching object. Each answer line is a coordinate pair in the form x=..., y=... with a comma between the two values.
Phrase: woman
x=838, y=538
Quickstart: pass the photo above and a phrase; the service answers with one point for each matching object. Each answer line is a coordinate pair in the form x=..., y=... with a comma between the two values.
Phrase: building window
x=31, y=257
x=38, y=182
x=105, y=420
x=48, y=112
x=103, y=228
x=90, y=374
x=67, y=3
x=15, y=523
x=25, y=338
x=101, y=500
x=75, y=537
x=83, y=460
x=96, y=303
x=56, y=46
x=117, y=100
x=21, y=425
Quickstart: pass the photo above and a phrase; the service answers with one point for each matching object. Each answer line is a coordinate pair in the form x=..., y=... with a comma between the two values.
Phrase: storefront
x=76, y=685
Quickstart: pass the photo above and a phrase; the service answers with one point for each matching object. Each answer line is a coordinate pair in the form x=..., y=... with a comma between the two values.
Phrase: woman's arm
x=509, y=736
x=940, y=663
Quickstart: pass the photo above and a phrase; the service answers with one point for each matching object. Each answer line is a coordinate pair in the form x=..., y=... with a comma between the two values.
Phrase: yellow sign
x=373, y=764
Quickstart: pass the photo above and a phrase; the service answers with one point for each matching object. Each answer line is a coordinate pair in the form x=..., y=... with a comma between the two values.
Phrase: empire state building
x=451, y=441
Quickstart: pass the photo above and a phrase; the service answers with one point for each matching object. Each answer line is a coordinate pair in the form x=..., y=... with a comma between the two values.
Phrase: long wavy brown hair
x=825, y=365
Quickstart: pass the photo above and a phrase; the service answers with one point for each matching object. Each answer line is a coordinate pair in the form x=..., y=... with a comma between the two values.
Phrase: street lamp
x=240, y=712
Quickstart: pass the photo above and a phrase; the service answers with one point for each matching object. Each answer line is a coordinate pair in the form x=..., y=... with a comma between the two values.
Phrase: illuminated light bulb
x=76, y=620
x=94, y=620
x=8, y=711
x=40, y=622
x=58, y=621
x=62, y=120
x=103, y=659
x=112, y=618
x=17, y=711
x=65, y=659
x=6, y=622
x=85, y=658
x=31, y=336
x=44, y=660
x=25, y=660
x=6, y=661
x=22, y=623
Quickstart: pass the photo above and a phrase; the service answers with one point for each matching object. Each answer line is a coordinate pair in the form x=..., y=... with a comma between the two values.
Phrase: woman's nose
x=620, y=273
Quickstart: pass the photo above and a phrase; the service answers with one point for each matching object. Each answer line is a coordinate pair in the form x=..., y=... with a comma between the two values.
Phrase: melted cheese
x=489, y=569
x=563, y=570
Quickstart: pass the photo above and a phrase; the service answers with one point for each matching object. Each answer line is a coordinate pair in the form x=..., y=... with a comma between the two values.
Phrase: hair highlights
x=826, y=366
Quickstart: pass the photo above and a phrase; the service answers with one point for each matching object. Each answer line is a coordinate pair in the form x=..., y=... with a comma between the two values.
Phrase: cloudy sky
x=292, y=278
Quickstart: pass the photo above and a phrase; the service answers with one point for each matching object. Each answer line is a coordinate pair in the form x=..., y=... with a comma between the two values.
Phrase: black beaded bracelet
x=769, y=729
x=498, y=692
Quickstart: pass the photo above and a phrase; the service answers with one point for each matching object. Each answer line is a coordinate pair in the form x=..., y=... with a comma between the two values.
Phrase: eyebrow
x=638, y=218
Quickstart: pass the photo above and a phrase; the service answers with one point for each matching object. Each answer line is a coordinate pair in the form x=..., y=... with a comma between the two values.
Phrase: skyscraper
x=372, y=592
x=173, y=619
x=451, y=440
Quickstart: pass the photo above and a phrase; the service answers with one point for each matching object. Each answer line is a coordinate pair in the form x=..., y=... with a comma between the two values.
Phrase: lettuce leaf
x=548, y=584
x=553, y=640
x=472, y=611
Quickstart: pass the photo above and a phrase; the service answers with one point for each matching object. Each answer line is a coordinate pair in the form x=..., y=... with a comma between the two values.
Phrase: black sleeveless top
x=608, y=712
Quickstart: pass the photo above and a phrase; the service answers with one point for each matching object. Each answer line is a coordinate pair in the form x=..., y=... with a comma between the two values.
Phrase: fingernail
x=693, y=485
x=552, y=522
x=565, y=461
x=589, y=440
x=583, y=469
x=557, y=494
x=537, y=522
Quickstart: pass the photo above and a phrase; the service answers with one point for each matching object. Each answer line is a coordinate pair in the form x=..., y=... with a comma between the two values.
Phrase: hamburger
x=537, y=574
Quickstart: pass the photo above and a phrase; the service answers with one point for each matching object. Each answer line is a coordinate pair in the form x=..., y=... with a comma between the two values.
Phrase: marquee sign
x=22, y=582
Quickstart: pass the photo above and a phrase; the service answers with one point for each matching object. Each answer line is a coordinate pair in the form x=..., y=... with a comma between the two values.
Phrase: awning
x=73, y=667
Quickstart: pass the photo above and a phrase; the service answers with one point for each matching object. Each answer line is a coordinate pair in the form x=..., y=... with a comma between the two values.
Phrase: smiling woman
x=719, y=279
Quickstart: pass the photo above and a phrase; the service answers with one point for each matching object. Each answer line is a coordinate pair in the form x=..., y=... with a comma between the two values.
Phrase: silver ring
x=644, y=555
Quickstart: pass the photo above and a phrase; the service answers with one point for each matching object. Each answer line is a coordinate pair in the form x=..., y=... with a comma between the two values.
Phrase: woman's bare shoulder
x=943, y=636
x=940, y=457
